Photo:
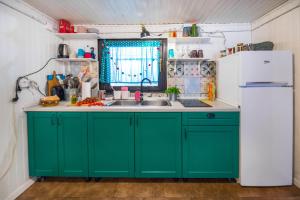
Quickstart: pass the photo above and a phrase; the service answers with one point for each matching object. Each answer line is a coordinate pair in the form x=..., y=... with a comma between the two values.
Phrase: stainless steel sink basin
x=156, y=103
x=125, y=103
x=144, y=103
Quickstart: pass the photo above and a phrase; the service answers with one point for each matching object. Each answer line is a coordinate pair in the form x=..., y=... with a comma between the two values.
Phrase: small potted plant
x=172, y=92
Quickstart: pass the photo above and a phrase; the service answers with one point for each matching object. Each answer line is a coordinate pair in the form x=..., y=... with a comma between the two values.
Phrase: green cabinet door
x=111, y=144
x=210, y=151
x=42, y=144
x=158, y=145
x=73, y=148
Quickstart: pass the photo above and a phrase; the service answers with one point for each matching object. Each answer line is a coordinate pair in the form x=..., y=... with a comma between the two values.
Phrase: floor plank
x=153, y=189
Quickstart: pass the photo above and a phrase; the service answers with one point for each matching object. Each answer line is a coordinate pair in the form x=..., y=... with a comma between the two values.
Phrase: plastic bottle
x=211, y=90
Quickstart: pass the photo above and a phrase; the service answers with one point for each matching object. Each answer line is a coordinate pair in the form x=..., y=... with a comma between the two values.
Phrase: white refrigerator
x=261, y=84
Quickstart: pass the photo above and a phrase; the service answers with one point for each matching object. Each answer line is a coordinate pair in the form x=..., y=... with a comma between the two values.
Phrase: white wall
x=284, y=31
x=25, y=46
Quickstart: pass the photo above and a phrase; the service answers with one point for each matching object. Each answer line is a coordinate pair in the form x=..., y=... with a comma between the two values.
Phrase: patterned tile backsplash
x=191, y=77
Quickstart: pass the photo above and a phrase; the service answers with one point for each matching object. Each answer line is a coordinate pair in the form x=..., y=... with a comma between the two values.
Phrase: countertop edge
x=217, y=106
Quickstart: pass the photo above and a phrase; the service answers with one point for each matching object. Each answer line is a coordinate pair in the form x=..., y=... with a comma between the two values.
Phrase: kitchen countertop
x=176, y=107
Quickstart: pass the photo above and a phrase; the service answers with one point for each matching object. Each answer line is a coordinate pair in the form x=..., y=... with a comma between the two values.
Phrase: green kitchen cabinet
x=73, y=147
x=57, y=144
x=111, y=144
x=158, y=145
x=128, y=144
x=43, y=144
x=210, y=151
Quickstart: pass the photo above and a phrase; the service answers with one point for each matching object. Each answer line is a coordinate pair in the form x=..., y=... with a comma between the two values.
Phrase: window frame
x=162, y=79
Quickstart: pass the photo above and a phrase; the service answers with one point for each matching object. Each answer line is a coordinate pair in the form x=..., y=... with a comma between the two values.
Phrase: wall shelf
x=197, y=40
x=76, y=60
x=78, y=36
x=187, y=59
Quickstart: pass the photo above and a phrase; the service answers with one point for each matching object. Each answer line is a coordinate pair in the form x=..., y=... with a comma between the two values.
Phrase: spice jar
x=223, y=53
x=239, y=47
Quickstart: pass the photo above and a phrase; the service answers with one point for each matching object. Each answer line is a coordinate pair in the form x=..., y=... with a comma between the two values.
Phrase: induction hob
x=193, y=103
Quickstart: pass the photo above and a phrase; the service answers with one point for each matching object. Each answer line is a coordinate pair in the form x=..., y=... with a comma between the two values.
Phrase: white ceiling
x=155, y=11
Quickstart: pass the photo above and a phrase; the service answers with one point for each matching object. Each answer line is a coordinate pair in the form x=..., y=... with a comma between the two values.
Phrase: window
x=127, y=62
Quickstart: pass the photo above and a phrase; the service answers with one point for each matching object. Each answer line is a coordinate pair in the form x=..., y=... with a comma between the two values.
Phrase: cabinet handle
x=130, y=121
x=210, y=115
x=185, y=134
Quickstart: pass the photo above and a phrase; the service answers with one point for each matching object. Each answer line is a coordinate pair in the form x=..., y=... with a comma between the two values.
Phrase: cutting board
x=52, y=83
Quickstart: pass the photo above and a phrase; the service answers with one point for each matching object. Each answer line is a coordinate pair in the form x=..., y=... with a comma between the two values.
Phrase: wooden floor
x=146, y=189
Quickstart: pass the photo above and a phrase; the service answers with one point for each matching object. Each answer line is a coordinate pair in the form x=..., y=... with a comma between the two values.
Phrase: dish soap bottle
x=211, y=90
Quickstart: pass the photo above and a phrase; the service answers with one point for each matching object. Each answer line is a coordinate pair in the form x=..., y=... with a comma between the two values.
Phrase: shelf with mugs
x=186, y=40
x=76, y=60
x=67, y=36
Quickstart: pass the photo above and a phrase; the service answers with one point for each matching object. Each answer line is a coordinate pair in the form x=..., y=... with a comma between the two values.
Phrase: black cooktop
x=193, y=103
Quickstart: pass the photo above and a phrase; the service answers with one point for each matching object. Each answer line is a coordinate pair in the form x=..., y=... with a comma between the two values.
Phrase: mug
x=125, y=94
x=72, y=54
x=200, y=53
x=117, y=94
x=80, y=53
x=171, y=53
x=193, y=54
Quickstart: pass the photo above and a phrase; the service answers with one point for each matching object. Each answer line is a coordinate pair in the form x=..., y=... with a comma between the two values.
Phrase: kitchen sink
x=143, y=103
x=156, y=103
x=125, y=103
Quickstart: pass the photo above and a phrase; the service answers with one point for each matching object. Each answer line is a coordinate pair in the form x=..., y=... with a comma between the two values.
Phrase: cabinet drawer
x=210, y=118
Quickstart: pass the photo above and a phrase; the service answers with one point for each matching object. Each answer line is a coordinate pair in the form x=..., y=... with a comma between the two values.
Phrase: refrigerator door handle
x=266, y=84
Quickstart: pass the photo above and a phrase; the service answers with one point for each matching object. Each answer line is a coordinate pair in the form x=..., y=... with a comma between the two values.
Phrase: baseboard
x=20, y=190
x=297, y=182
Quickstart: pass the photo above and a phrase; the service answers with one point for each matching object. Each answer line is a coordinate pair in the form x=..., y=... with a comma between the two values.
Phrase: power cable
x=19, y=89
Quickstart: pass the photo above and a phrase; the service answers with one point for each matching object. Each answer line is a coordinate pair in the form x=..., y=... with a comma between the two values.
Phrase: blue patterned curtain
x=127, y=62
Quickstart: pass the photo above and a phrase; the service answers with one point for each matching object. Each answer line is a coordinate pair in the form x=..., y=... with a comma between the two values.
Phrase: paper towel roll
x=86, y=90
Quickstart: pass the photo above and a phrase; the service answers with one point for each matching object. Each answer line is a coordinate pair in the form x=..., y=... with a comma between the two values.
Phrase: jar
x=239, y=47
x=194, y=30
x=73, y=95
x=223, y=53
x=172, y=33
x=186, y=31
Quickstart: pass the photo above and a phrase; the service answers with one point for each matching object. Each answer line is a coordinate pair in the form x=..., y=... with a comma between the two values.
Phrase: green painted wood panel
x=42, y=144
x=210, y=151
x=73, y=147
x=111, y=144
x=158, y=145
x=210, y=118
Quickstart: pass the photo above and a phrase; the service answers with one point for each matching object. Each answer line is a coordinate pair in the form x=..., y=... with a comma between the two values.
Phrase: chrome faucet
x=141, y=89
